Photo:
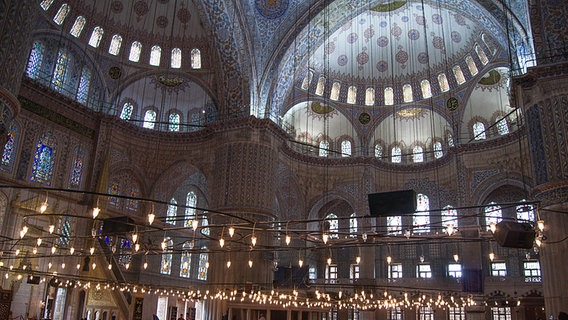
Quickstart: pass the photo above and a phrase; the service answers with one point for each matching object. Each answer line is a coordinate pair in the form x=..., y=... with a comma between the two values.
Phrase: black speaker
x=513, y=234
x=112, y=226
x=392, y=203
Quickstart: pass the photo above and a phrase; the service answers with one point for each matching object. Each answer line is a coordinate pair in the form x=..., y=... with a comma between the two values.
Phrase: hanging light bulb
x=325, y=237
x=24, y=231
x=72, y=250
x=329, y=261
x=228, y=264
x=340, y=294
x=151, y=217
x=127, y=266
x=49, y=264
x=207, y=265
x=63, y=265
x=38, y=241
x=358, y=259
x=92, y=250
x=450, y=229
x=110, y=266
x=221, y=242
x=51, y=229
x=94, y=266
x=164, y=245
x=288, y=239
x=136, y=247
x=43, y=206
x=78, y=266
x=194, y=224
x=421, y=259
x=491, y=256
x=17, y=251
x=134, y=237
x=34, y=250
x=53, y=249
x=96, y=210
x=538, y=242
x=492, y=227
x=145, y=265
x=253, y=240
x=231, y=231
x=389, y=259
x=540, y=225
x=250, y=263
x=300, y=262
x=456, y=257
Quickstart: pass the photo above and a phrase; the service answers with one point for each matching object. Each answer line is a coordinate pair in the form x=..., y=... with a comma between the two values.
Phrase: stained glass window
x=481, y=54
x=471, y=65
x=525, y=212
x=352, y=95
x=171, y=213
x=478, y=131
x=166, y=263
x=335, y=88
x=185, y=261
x=345, y=148
x=307, y=80
x=421, y=219
x=135, y=50
x=174, y=122
x=389, y=96
x=8, y=155
x=426, y=89
x=176, y=58
x=133, y=192
x=394, y=225
x=78, y=26
x=320, y=86
x=114, y=189
x=61, y=14
x=438, y=153
x=64, y=231
x=378, y=151
x=60, y=71
x=417, y=154
x=458, y=73
x=323, y=148
x=443, y=82
x=124, y=251
x=155, y=55
x=96, y=37
x=126, y=112
x=396, y=155
x=84, y=84
x=44, y=159
x=35, y=59
x=353, y=225
x=149, y=119
x=370, y=97
x=191, y=203
x=195, y=59
x=450, y=139
x=45, y=4
x=407, y=93
x=203, y=264
x=205, y=223
x=449, y=216
x=77, y=167
x=115, y=44
x=332, y=225
x=493, y=214
x=503, y=126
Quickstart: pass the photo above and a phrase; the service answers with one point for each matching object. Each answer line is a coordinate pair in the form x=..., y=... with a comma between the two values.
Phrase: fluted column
x=16, y=17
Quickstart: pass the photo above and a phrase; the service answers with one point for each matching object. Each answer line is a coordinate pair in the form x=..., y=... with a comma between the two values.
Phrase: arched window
x=195, y=59
x=353, y=225
x=176, y=58
x=77, y=167
x=443, y=82
x=323, y=148
x=185, y=261
x=389, y=96
x=370, y=97
x=126, y=112
x=471, y=65
x=132, y=192
x=124, y=252
x=438, y=153
x=45, y=4
x=135, y=50
x=61, y=14
x=378, y=151
x=503, y=126
x=203, y=264
x=525, y=212
x=481, y=54
x=396, y=155
x=84, y=84
x=352, y=95
x=44, y=159
x=155, y=56
x=149, y=119
x=331, y=225
x=307, y=80
x=426, y=89
x=166, y=263
x=205, y=223
x=64, y=231
x=78, y=26
x=421, y=219
x=96, y=37
x=7, y=162
x=320, y=86
x=345, y=148
x=35, y=59
x=487, y=42
x=407, y=93
x=174, y=122
x=60, y=71
x=190, y=203
x=171, y=213
x=458, y=74
x=115, y=44
x=394, y=225
x=335, y=89
x=449, y=217
x=493, y=214
x=114, y=189
x=478, y=131
x=450, y=140
x=417, y=154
